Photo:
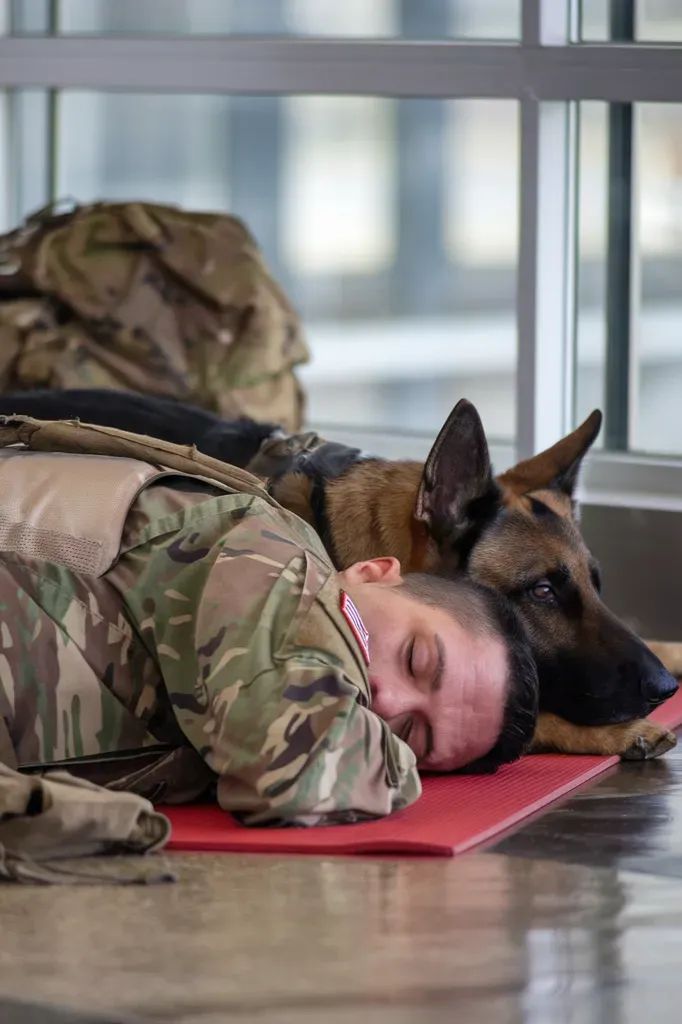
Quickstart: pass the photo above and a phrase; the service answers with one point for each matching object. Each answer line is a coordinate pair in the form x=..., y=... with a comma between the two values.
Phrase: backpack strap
x=75, y=437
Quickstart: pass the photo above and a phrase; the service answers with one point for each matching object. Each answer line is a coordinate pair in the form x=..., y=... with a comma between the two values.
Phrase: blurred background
x=394, y=224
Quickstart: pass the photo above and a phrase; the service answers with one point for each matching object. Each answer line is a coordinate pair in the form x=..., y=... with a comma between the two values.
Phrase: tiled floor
x=577, y=919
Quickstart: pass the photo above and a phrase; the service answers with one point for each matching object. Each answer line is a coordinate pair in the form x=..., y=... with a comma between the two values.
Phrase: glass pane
x=30, y=120
x=653, y=392
x=657, y=424
x=594, y=20
x=656, y=21
x=25, y=144
x=29, y=17
x=421, y=19
x=5, y=216
x=659, y=21
x=391, y=224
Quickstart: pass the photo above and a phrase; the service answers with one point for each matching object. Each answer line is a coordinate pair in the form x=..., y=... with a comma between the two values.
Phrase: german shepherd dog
x=517, y=532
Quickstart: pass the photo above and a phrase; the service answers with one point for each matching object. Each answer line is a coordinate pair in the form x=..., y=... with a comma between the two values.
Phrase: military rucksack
x=152, y=299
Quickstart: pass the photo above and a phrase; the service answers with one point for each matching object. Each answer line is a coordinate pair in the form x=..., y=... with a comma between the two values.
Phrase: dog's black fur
x=235, y=441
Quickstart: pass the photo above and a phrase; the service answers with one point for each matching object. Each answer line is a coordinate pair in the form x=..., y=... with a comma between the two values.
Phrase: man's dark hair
x=482, y=610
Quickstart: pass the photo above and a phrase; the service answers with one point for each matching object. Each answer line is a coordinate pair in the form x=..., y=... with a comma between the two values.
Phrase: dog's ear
x=558, y=467
x=457, y=485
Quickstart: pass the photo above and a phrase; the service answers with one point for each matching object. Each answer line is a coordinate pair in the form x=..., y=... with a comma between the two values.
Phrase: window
x=460, y=196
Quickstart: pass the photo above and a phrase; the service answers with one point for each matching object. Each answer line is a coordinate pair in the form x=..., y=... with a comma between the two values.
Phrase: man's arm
x=275, y=716
x=288, y=740
x=297, y=748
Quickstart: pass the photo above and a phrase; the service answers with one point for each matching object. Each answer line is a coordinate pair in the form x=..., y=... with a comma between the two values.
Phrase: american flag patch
x=356, y=624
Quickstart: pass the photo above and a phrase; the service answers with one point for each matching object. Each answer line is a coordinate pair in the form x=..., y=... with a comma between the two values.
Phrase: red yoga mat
x=454, y=814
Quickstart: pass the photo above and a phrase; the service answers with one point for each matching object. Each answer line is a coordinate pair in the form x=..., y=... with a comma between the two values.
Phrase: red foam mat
x=454, y=814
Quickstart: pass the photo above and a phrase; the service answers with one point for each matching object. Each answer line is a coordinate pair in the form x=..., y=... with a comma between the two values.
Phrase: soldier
x=180, y=636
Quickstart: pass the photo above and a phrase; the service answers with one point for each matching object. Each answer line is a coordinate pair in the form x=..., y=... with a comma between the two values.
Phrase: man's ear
x=457, y=487
x=558, y=467
x=374, y=570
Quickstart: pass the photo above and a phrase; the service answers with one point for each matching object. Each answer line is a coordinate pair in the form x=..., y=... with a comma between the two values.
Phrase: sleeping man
x=182, y=636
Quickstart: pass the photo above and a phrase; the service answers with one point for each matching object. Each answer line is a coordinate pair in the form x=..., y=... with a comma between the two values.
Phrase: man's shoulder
x=332, y=628
x=177, y=506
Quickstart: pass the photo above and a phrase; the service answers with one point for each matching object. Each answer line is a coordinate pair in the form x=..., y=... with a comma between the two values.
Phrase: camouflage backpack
x=151, y=299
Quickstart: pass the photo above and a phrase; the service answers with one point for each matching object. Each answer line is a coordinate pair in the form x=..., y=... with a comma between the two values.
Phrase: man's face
x=440, y=687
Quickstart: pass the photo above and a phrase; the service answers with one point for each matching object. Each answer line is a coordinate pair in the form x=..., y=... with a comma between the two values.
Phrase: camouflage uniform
x=213, y=649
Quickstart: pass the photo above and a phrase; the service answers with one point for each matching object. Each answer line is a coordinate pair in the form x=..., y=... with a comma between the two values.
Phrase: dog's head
x=519, y=533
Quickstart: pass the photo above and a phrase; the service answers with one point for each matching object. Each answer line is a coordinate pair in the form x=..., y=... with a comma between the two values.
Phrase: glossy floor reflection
x=631, y=819
x=552, y=926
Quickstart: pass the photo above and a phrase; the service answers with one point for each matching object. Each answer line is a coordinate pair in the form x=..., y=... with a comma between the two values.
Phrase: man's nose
x=391, y=698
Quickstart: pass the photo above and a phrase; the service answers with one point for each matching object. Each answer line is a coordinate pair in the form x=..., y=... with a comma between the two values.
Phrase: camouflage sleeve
x=285, y=733
x=280, y=724
x=241, y=612
x=316, y=758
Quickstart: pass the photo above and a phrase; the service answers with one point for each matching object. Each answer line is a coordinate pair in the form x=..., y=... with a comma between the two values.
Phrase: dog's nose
x=658, y=686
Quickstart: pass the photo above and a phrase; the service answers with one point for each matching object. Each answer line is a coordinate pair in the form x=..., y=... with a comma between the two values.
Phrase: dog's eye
x=543, y=592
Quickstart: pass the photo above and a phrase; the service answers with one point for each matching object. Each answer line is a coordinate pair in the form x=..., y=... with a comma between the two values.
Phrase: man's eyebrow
x=437, y=680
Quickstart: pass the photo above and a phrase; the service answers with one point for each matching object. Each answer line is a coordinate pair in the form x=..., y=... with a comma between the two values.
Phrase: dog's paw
x=648, y=740
x=632, y=741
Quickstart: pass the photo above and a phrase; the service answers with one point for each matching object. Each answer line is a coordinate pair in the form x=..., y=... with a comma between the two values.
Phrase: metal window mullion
x=546, y=265
x=571, y=262
x=618, y=276
x=619, y=260
x=545, y=284
x=257, y=65
x=453, y=69
x=635, y=295
x=527, y=279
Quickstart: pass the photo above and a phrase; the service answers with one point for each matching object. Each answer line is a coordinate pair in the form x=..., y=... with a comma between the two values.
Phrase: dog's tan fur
x=371, y=512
